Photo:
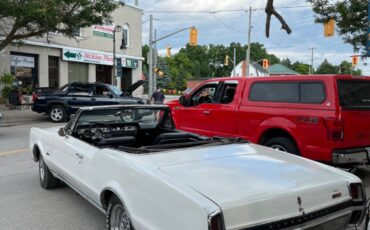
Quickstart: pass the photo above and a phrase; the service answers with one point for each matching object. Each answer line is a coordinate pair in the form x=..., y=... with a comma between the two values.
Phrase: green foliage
x=344, y=68
x=23, y=19
x=6, y=79
x=297, y=66
x=6, y=91
x=351, y=19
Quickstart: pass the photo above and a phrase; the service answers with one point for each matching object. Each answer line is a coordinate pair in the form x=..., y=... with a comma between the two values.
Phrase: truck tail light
x=216, y=221
x=335, y=129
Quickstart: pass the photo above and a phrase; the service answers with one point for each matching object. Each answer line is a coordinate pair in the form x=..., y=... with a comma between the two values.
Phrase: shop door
x=77, y=72
x=126, y=80
x=104, y=74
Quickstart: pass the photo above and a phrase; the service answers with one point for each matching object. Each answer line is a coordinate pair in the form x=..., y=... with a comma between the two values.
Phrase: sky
x=226, y=27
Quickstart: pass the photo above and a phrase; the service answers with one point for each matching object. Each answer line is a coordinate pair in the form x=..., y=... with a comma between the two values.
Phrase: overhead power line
x=216, y=11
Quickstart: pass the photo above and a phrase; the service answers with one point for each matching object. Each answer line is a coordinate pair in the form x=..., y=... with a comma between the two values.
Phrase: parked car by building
x=59, y=104
x=131, y=163
x=324, y=118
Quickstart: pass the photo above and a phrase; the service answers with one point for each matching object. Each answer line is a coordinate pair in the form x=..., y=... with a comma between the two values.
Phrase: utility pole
x=155, y=57
x=311, y=71
x=234, y=61
x=248, y=57
x=150, y=86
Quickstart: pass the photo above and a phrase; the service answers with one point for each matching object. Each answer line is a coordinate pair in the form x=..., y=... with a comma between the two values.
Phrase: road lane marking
x=14, y=152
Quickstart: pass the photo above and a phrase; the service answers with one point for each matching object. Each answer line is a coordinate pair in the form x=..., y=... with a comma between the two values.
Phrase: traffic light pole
x=155, y=57
x=150, y=85
x=248, y=57
x=152, y=42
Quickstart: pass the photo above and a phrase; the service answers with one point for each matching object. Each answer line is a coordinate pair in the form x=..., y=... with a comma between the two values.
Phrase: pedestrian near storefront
x=157, y=97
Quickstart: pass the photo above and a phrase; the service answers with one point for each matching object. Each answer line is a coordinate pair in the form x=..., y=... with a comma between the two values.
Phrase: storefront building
x=57, y=60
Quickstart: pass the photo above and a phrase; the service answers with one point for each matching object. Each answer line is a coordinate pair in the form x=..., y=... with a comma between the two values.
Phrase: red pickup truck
x=321, y=117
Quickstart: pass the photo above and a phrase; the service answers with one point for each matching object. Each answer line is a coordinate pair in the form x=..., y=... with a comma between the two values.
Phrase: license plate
x=339, y=223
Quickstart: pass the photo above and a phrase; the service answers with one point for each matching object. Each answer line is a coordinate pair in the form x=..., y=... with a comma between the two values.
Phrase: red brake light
x=335, y=129
x=357, y=192
x=34, y=96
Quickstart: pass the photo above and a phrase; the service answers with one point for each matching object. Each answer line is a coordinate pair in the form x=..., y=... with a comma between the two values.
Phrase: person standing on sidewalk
x=157, y=97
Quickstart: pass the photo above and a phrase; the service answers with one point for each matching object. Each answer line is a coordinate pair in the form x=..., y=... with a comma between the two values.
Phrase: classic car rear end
x=128, y=161
x=258, y=188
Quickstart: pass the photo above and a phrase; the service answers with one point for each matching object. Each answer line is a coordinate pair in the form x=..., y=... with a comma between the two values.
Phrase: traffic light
x=193, y=37
x=354, y=61
x=265, y=63
x=227, y=60
x=329, y=28
x=168, y=51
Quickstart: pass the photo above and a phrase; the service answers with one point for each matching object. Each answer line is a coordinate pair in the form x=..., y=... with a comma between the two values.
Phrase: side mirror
x=62, y=132
x=110, y=95
x=182, y=100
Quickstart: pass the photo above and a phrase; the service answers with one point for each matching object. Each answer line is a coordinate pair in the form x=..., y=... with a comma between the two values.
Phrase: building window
x=53, y=72
x=76, y=32
x=24, y=68
x=126, y=35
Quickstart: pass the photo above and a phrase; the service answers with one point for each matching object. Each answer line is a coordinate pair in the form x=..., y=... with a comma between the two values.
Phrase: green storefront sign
x=131, y=63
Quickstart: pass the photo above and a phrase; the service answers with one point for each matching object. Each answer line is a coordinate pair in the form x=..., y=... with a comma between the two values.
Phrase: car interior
x=137, y=135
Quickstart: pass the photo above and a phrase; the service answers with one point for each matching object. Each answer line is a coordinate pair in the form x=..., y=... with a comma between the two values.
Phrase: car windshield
x=115, y=90
x=145, y=117
x=354, y=93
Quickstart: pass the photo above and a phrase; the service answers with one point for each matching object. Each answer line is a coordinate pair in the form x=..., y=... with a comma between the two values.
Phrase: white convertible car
x=130, y=163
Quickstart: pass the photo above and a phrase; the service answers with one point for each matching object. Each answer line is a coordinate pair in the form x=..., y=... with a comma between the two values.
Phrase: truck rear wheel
x=57, y=113
x=283, y=144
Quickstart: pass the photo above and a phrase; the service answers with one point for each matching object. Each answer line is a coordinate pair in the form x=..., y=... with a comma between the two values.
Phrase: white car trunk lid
x=259, y=188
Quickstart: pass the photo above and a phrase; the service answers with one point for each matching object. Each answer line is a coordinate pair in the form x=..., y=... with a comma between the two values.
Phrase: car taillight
x=215, y=221
x=34, y=96
x=357, y=193
x=335, y=129
x=359, y=206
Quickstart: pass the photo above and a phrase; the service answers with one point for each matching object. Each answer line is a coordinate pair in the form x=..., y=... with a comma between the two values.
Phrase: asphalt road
x=25, y=205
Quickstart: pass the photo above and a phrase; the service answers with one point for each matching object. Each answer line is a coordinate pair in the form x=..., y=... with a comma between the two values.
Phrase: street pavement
x=25, y=205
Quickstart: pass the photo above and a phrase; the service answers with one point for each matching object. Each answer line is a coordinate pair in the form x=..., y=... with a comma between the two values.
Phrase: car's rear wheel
x=283, y=144
x=47, y=180
x=57, y=113
x=117, y=215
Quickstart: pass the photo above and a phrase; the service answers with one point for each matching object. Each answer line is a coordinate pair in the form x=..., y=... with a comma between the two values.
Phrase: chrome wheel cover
x=56, y=114
x=119, y=219
x=279, y=147
x=42, y=170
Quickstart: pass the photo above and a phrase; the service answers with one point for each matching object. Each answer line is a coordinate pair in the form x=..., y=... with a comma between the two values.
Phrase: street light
x=117, y=28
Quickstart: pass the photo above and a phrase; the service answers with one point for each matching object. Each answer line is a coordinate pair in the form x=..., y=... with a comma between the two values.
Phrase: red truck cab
x=321, y=117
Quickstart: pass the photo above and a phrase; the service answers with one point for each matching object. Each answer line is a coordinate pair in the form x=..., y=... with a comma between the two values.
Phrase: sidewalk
x=24, y=115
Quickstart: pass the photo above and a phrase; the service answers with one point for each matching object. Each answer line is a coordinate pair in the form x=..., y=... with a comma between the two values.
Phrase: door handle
x=79, y=155
x=74, y=99
x=93, y=99
x=206, y=112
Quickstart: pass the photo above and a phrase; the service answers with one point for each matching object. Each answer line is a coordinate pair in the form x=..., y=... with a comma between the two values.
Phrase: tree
x=327, y=68
x=21, y=19
x=351, y=18
x=345, y=67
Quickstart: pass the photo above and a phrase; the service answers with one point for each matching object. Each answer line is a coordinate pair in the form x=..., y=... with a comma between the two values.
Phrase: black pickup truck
x=60, y=103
